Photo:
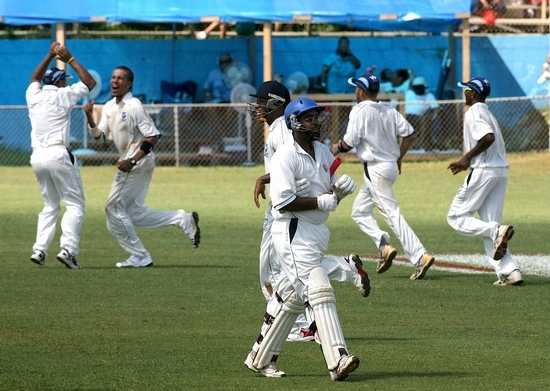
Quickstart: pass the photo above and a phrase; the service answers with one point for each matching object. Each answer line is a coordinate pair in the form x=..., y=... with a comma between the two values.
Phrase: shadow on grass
x=357, y=377
x=156, y=266
x=361, y=377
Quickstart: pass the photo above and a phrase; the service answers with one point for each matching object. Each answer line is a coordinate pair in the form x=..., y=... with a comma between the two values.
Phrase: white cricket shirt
x=479, y=121
x=50, y=113
x=278, y=135
x=373, y=129
x=290, y=163
x=127, y=124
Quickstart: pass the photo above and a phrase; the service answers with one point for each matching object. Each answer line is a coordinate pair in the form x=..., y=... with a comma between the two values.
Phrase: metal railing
x=224, y=134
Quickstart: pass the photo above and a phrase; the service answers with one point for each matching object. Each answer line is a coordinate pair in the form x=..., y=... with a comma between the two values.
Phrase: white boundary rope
x=537, y=265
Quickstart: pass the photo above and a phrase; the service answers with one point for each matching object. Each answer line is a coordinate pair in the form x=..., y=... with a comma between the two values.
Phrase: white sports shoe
x=38, y=257
x=68, y=259
x=190, y=225
x=505, y=233
x=346, y=365
x=134, y=261
x=363, y=282
x=514, y=278
x=298, y=334
x=269, y=370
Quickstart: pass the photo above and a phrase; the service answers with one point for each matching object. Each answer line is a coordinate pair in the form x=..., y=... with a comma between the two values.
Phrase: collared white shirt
x=127, y=124
x=290, y=163
x=479, y=121
x=278, y=135
x=373, y=129
x=50, y=113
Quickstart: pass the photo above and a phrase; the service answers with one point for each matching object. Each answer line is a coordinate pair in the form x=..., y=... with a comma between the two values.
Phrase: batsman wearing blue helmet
x=300, y=238
x=272, y=98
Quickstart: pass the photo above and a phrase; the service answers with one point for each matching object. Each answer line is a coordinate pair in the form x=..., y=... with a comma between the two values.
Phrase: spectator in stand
x=420, y=110
x=217, y=88
x=545, y=72
x=489, y=10
x=338, y=67
x=401, y=80
x=386, y=77
x=211, y=27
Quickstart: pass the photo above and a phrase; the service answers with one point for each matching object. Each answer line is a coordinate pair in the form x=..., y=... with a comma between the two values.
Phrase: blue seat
x=183, y=92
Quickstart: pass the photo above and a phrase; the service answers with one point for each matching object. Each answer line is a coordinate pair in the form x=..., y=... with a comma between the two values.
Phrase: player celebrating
x=485, y=186
x=300, y=239
x=374, y=129
x=125, y=121
x=54, y=165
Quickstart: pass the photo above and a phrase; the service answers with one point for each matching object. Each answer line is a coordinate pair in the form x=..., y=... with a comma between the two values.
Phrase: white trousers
x=59, y=180
x=300, y=247
x=482, y=192
x=272, y=272
x=125, y=208
x=377, y=190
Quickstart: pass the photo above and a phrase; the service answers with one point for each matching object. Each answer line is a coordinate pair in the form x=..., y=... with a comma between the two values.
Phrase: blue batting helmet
x=297, y=107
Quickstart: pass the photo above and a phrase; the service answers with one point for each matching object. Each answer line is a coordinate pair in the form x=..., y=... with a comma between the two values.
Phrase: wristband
x=341, y=147
x=70, y=60
x=146, y=146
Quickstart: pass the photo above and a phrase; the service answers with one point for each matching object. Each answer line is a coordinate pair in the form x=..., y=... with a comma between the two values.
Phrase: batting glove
x=302, y=187
x=327, y=202
x=344, y=186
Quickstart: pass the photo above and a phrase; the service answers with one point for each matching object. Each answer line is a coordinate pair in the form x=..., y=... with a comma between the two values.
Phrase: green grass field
x=188, y=322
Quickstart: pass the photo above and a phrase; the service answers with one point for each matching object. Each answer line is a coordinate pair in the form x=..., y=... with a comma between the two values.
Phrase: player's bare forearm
x=41, y=68
x=464, y=162
x=457, y=167
x=259, y=188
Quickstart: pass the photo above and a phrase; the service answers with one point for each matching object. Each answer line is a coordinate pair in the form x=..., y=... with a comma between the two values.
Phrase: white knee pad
x=272, y=342
x=323, y=303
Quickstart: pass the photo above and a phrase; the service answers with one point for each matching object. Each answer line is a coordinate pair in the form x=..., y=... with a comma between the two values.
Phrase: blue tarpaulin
x=383, y=15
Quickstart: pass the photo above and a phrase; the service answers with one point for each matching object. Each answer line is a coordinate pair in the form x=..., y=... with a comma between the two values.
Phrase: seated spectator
x=545, y=72
x=420, y=111
x=401, y=80
x=242, y=29
x=217, y=88
x=338, y=67
x=386, y=77
x=211, y=27
x=489, y=10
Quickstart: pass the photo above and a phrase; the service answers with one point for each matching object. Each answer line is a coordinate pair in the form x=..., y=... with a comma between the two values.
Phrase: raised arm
x=38, y=73
x=65, y=55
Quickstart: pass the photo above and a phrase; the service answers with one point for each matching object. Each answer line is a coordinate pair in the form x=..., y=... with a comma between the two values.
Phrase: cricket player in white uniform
x=300, y=239
x=272, y=98
x=125, y=121
x=374, y=129
x=484, y=188
x=56, y=169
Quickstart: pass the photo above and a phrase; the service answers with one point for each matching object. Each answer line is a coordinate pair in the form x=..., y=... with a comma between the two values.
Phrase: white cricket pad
x=276, y=335
x=323, y=303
